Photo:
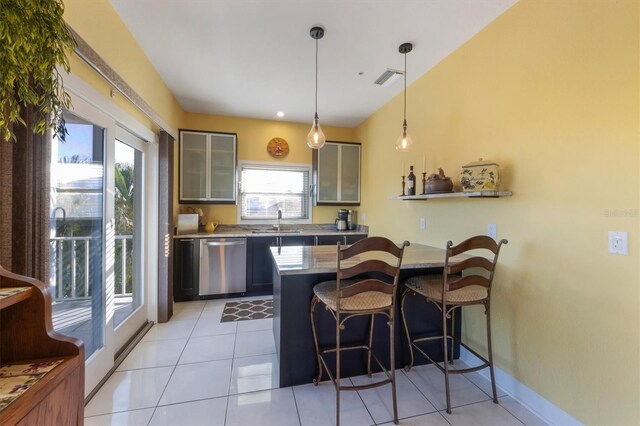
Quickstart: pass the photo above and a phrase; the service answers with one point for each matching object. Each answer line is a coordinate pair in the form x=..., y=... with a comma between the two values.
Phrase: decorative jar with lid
x=481, y=175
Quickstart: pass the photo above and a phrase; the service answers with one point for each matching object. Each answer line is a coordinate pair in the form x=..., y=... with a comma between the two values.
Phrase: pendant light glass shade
x=404, y=142
x=316, y=138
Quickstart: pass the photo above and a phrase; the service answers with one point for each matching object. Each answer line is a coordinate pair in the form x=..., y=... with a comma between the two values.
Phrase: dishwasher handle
x=225, y=243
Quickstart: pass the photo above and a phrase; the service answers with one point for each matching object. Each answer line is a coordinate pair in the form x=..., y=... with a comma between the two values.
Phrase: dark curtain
x=165, y=227
x=24, y=201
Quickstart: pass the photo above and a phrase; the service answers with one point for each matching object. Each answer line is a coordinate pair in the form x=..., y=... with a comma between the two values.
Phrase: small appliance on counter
x=352, y=221
x=187, y=224
x=342, y=220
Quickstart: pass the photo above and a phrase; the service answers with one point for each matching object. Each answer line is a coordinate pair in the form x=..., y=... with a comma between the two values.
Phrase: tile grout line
x=295, y=402
x=486, y=393
x=519, y=419
x=514, y=416
x=118, y=412
x=233, y=361
x=174, y=368
x=443, y=417
x=416, y=386
x=364, y=403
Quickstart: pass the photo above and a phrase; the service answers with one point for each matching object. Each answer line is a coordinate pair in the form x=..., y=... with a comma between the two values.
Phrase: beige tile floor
x=195, y=370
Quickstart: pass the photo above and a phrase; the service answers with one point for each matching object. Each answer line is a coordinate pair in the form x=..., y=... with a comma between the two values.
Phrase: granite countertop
x=298, y=260
x=247, y=231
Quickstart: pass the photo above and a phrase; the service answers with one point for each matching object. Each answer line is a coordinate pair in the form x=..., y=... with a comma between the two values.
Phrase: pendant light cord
x=317, y=77
x=405, y=87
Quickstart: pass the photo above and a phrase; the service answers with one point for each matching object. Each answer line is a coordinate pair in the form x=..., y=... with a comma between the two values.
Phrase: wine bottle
x=411, y=182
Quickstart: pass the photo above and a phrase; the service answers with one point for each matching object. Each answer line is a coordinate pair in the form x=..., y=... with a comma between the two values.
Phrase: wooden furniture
x=450, y=291
x=296, y=270
x=207, y=167
x=336, y=174
x=28, y=344
x=351, y=295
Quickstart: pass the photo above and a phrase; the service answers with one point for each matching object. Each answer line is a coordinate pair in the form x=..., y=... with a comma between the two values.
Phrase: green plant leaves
x=34, y=40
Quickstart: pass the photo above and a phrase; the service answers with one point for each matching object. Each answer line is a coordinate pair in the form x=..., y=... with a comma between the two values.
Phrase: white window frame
x=87, y=102
x=276, y=166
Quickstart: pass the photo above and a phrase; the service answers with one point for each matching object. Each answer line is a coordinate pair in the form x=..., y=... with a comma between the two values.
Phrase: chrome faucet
x=279, y=218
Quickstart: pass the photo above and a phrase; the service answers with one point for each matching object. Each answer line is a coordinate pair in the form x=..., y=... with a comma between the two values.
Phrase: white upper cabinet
x=336, y=173
x=207, y=167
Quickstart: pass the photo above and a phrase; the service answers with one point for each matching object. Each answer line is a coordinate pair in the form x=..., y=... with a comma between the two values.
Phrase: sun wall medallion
x=278, y=148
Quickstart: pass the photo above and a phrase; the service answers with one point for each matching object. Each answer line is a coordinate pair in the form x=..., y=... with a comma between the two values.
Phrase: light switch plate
x=618, y=243
x=423, y=223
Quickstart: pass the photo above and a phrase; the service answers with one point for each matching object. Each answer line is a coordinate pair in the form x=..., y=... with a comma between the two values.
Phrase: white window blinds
x=266, y=188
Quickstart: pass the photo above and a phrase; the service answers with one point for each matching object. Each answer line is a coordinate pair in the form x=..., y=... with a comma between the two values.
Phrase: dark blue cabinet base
x=294, y=341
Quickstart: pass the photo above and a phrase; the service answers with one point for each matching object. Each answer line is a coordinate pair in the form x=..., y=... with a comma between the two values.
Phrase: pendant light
x=404, y=142
x=316, y=138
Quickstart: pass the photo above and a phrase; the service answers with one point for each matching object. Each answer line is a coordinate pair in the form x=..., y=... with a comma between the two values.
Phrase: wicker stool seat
x=430, y=286
x=365, y=301
x=367, y=288
x=449, y=292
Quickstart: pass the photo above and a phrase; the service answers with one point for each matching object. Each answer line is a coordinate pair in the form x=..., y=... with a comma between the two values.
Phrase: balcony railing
x=76, y=260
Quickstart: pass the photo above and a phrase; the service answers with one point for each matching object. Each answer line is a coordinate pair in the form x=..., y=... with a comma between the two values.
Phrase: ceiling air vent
x=388, y=77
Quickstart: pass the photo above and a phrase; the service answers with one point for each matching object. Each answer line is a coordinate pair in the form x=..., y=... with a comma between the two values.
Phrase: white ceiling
x=252, y=58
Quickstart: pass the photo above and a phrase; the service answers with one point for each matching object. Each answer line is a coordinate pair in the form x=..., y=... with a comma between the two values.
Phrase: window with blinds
x=266, y=188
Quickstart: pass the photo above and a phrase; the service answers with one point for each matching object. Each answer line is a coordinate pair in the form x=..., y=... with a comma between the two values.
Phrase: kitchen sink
x=275, y=231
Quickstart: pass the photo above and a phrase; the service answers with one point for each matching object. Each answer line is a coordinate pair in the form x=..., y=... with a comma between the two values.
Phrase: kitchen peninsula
x=296, y=269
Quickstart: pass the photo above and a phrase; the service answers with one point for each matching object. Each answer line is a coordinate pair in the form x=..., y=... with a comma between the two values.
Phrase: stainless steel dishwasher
x=223, y=266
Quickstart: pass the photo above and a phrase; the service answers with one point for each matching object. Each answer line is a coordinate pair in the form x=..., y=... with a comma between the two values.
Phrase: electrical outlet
x=492, y=230
x=423, y=223
x=618, y=243
x=363, y=217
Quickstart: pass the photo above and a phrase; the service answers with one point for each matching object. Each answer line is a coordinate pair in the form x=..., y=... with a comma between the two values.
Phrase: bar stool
x=347, y=298
x=450, y=291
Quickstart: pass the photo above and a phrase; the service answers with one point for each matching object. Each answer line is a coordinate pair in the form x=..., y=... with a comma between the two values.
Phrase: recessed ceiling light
x=280, y=114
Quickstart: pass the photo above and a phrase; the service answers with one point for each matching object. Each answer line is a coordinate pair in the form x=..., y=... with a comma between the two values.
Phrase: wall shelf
x=475, y=194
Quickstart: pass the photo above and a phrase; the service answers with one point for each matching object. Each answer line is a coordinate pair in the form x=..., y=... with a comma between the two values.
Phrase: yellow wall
x=100, y=26
x=550, y=91
x=253, y=136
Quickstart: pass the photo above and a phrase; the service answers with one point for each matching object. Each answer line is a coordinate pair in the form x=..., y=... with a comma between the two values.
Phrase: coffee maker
x=341, y=221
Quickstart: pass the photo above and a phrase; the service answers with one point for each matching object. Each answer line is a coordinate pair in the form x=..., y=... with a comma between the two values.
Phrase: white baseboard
x=523, y=394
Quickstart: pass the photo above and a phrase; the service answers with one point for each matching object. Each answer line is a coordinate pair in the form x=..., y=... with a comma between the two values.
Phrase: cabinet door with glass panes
x=207, y=167
x=336, y=173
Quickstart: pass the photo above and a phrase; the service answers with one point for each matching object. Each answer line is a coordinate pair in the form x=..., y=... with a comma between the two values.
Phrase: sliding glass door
x=130, y=177
x=100, y=232
x=77, y=232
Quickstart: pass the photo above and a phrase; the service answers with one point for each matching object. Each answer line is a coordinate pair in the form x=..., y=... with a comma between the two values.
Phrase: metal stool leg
x=453, y=335
x=445, y=359
x=373, y=318
x=314, y=302
x=392, y=352
x=493, y=378
x=406, y=329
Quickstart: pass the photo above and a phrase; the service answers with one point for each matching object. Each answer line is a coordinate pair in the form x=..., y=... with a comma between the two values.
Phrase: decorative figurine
x=437, y=183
